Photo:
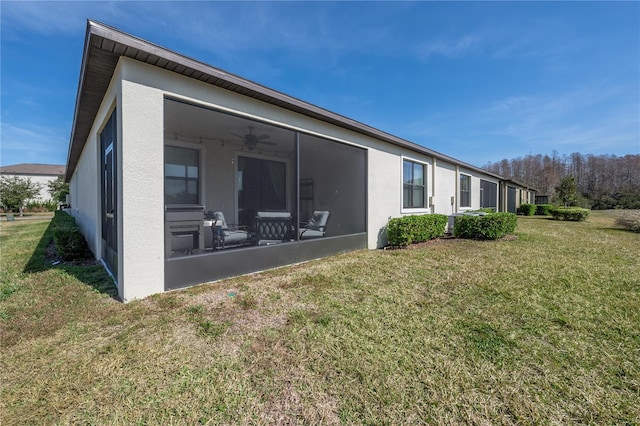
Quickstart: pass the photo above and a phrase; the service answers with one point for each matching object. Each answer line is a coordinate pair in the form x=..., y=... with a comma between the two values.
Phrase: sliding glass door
x=261, y=187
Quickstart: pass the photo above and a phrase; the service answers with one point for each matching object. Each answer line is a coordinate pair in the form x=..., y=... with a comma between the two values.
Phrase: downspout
x=457, y=191
x=433, y=185
x=505, y=193
x=296, y=143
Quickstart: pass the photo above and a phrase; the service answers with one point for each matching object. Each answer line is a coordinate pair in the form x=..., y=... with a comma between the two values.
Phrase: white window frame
x=460, y=191
x=425, y=166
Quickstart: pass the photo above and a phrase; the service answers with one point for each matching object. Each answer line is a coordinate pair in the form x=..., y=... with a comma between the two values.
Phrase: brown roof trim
x=103, y=47
x=520, y=184
x=34, y=169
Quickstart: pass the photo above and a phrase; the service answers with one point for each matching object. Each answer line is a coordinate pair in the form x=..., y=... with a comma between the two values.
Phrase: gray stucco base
x=211, y=266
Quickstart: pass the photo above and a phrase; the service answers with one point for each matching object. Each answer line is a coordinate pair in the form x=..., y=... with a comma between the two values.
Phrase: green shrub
x=544, y=209
x=61, y=218
x=41, y=206
x=402, y=231
x=617, y=201
x=70, y=243
x=488, y=227
x=575, y=214
x=527, y=209
x=630, y=221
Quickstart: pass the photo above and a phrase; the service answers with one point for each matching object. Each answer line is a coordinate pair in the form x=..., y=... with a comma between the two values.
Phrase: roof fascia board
x=520, y=184
x=83, y=69
x=258, y=91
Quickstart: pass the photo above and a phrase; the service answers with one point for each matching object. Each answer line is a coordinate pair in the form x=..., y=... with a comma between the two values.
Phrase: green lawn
x=539, y=329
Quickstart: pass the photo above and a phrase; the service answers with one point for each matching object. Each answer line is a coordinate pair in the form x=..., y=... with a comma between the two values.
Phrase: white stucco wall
x=84, y=186
x=446, y=187
x=84, y=192
x=141, y=258
x=43, y=181
x=220, y=184
x=384, y=199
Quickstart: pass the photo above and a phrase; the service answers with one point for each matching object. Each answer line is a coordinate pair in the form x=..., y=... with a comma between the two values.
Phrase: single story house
x=181, y=173
x=515, y=193
x=41, y=174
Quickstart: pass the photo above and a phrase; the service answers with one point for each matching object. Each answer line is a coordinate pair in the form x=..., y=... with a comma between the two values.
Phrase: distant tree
x=15, y=191
x=58, y=189
x=567, y=191
x=602, y=181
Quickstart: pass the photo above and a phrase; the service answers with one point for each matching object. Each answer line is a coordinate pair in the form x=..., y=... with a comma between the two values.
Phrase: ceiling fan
x=251, y=141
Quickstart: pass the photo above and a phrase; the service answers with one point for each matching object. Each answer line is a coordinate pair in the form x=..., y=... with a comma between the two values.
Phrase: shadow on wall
x=89, y=272
x=383, y=241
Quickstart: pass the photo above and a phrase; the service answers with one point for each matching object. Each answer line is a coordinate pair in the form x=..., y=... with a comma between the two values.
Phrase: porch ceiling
x=104, y=45
x=190, y=123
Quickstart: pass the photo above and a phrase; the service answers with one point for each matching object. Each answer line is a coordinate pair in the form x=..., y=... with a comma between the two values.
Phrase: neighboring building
x=164, y=147
x=542, y=199
x=37, y=173
x=516, y=193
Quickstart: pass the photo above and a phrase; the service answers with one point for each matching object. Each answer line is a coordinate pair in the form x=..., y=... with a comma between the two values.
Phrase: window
x=181, y=175
x=413, y=191
x=488, y=194
x=465, y=191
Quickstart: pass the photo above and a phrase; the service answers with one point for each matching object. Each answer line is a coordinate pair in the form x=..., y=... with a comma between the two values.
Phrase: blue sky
x=478, y=81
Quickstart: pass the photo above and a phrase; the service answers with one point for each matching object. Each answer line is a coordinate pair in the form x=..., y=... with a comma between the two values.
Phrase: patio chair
x=273, y=228
x=226, y=235
x=316, y=226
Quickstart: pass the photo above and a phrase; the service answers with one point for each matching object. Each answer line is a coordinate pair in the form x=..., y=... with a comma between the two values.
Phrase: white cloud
x=524, y=114
x=593, y=120
x=452, y=47
x=48, y=18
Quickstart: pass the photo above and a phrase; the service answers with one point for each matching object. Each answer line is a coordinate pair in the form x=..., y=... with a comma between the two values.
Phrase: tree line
x=603, y=181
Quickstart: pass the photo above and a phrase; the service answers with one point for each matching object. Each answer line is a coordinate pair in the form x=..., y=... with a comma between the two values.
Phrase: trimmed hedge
x=575, y=214
x=544, y=209
x=488, y=227
x=70, y=243
x=402, y=231
x=527, y=209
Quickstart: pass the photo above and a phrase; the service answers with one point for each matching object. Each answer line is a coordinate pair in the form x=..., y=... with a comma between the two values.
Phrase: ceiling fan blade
x=263, y=137
x=268, y=143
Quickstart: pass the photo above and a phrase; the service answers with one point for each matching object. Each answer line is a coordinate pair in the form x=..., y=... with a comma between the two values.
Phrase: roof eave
x=139, y=49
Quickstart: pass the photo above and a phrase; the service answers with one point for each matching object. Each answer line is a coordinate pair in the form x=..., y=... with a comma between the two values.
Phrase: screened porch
x=243, y=195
